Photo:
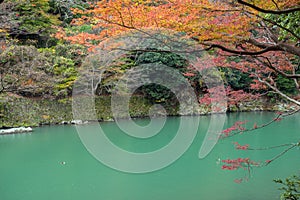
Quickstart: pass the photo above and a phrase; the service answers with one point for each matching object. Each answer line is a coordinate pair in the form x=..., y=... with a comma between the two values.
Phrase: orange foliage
x=228, y=23
x=200, y=19
x=204, y=20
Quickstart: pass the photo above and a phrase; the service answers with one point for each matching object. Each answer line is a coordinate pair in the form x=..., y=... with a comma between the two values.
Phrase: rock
x=108, y=119
x=15, y=130
x=76, y=122
x=281, y=107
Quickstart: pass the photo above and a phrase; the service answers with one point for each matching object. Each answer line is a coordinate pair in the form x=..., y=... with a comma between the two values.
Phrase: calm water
x=31, y=168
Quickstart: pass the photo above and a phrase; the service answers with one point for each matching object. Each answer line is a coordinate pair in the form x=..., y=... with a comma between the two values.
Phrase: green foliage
x=33, y=16
x=85, y=28
x=154, y=93
x=167, y=58
x=236, y=79
x=74, y=52
x=63, y=66
x=290, y=188
x=64, y=59
x=64, y=8
x=290, y=21
x=286, y=85
x=159, y=93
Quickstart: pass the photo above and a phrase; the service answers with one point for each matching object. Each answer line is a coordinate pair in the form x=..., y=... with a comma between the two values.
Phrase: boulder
x=15, y=130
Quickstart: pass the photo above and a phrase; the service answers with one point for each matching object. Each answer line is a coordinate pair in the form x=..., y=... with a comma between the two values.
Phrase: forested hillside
x=43, y=44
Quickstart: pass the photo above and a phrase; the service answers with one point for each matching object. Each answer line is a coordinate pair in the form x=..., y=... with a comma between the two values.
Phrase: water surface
x=31, y=164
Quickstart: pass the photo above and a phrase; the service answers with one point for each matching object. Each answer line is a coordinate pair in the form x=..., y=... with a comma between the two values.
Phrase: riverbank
x=16, y=111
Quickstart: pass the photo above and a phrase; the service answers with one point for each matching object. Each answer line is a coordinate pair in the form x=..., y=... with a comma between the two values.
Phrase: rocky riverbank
x=16, y=111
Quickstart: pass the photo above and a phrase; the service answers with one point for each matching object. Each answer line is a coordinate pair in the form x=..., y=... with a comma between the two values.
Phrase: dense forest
x=45, y=42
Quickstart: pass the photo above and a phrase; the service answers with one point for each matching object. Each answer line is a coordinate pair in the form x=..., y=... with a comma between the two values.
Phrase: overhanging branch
x=269, y=64
x=278, y=91
x=250, y=53
x=277, y=12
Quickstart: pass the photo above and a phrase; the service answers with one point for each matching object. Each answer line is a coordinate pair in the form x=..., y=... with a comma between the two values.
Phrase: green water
x=31, y=169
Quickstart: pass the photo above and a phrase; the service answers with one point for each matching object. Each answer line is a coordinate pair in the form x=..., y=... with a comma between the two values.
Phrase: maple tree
x=265, y=48
x=258, y=38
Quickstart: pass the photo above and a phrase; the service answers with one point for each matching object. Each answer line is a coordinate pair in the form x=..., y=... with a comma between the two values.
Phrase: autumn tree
x=257, y=38
x=244, y=36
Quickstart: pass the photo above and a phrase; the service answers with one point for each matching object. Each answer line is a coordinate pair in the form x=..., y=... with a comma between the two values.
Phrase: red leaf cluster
x=234, y=164
x=241, y=147
x=237, y=126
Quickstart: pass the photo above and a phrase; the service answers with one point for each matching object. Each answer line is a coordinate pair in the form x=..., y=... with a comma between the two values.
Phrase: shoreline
x=18, y=130
x=31, y=112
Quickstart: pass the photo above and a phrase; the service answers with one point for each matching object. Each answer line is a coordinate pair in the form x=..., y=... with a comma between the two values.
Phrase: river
x=52, y=163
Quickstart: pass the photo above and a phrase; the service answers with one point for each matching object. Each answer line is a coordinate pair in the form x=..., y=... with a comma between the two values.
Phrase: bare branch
x=278, y=91
x=282, y=153
x=272, y=147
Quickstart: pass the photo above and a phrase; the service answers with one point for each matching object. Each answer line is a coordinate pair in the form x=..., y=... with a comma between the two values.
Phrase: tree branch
x=255, y=127
x=277, y=12
x=269, y=65
x=283, y=152
x=278, y=91
x=271, y=147
x=250, y=53
x=281, y=46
